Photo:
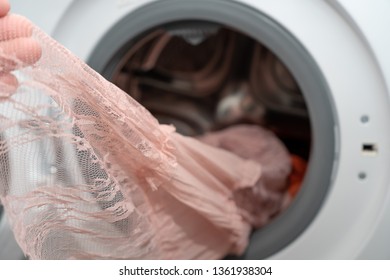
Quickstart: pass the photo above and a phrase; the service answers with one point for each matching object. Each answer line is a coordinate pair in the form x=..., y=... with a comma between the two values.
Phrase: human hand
x=17, y=47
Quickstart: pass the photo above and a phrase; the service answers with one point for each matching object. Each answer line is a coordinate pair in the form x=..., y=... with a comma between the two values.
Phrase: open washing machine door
x=337, y=56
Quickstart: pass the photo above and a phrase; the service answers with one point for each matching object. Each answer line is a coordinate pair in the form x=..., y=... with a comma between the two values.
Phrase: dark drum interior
x=202, y=77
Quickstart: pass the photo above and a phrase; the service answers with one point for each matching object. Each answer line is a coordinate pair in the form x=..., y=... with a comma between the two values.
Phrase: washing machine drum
x=303, y=71
x=206, y=71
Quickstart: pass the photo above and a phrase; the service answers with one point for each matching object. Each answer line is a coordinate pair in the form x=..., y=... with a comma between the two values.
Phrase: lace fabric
x=86, y=172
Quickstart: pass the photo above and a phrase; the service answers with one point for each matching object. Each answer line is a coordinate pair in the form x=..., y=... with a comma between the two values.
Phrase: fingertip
x=32, y=51
x=19, y=53
x=14, y=26
x=4, y=7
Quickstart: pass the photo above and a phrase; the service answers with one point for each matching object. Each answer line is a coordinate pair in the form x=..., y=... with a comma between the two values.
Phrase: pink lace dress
x=87, y=173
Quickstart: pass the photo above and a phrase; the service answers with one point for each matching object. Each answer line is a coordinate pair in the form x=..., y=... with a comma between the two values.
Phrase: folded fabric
x=86, y=172
x=260, y=203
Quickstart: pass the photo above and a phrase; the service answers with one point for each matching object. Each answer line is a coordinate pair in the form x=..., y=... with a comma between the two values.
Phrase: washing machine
x=319, y=69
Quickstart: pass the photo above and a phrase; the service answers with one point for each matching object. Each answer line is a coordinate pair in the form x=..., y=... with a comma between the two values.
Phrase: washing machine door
x=337, y=55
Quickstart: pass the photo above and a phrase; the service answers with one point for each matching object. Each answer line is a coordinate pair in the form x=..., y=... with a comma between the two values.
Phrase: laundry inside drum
x=227, y=89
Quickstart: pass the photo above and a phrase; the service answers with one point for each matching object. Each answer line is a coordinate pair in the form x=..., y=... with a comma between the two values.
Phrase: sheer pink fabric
x=262, y=202
x=86, y=172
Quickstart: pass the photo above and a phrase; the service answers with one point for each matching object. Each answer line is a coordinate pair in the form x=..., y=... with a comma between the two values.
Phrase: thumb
x=4, y=7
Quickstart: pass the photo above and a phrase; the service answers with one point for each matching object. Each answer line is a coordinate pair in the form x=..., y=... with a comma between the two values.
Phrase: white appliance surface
x=348, y=40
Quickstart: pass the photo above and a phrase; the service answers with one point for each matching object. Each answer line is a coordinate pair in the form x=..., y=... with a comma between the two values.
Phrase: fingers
x=4, y=7
x=14, y=26
x=17, y=47
x=19, y=53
